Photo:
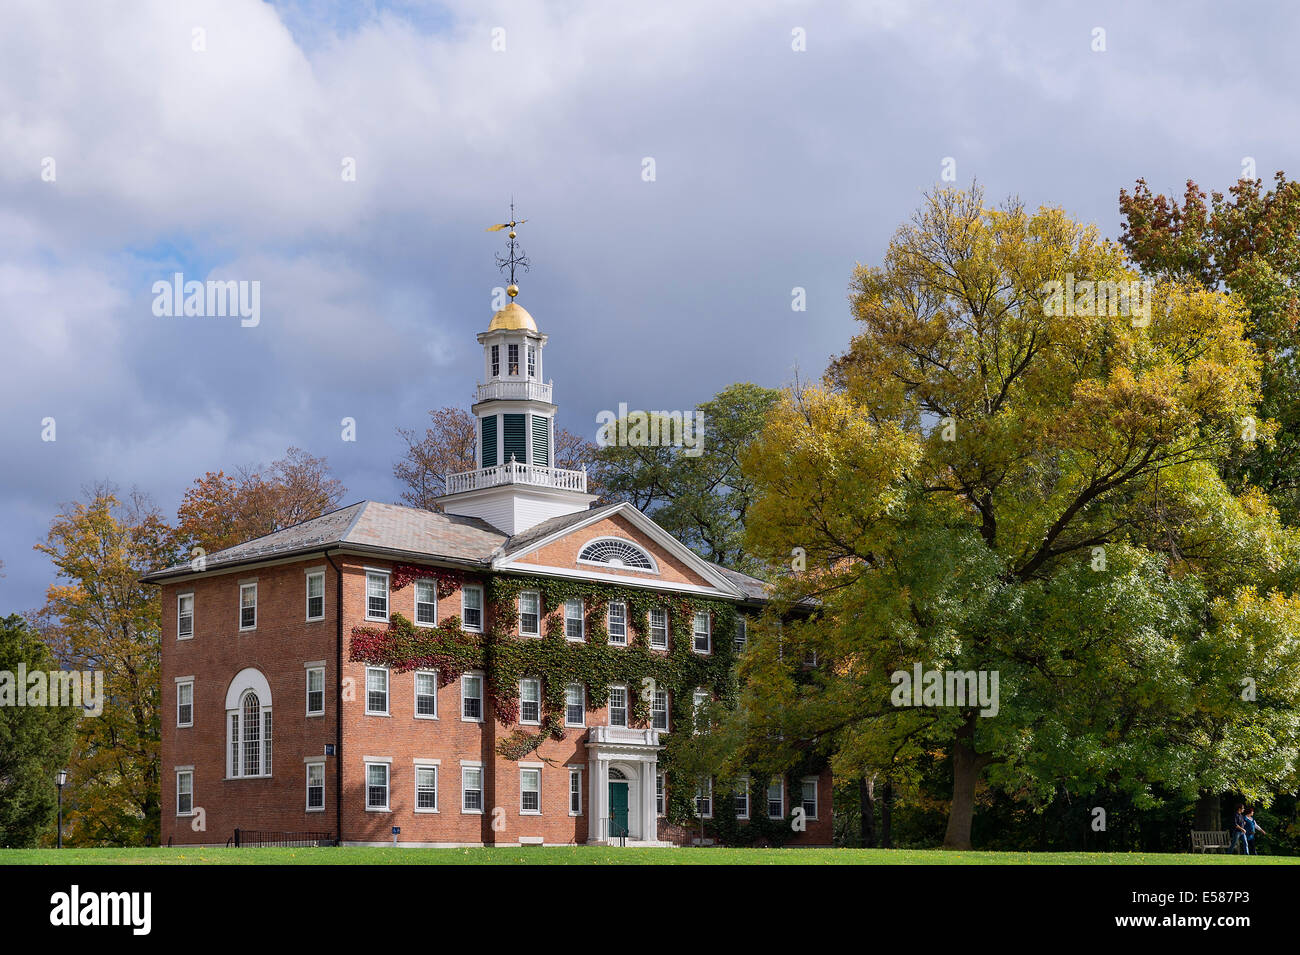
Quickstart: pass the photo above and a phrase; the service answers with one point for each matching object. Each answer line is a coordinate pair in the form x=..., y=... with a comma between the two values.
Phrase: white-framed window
x=698, y=699
x=704, y=798
x=742, y=797
x=776, y=798
x=575, y=705
x=376, y=691
x=426, y=788
x=530, y=701
x=618, y=706
x=616, y=616
x=659, y=710
x=575, y=791
x=184, y=792
x=248, y=606
x=530, y=791
x=248, y=721
x=426, y=603
x=660, y=794
x=471, y=697
x=471, y=788
x=742, y=632
x=315, y=691
x=659, y=628
x=471, y=608
x=184, y=616
x=530, y=613
x=808, y=797
x=532, y=362
x=377, y=786
x=250, y=736
x=376, y=595
x=703, y=637
x=496, y=361
x=574, y=621
x=185, y=703
x=426, y=695
x=315, y=787
x=512, y=360
x=316, y=595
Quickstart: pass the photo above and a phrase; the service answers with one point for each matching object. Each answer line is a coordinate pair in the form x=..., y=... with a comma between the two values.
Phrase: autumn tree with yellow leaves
x=1009, y=471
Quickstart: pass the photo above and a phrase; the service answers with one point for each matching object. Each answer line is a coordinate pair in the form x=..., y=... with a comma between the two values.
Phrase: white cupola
x=516, y=484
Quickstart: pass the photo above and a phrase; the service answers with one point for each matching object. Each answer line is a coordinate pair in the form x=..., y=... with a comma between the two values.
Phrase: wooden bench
x=1210, y=841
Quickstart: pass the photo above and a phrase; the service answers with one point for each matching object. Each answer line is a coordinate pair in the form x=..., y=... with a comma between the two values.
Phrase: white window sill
x=426, y=812
x=315, y=716
x=376, y=809
x=316, y=809
x=530, y=812
x=426, y=716
x=471, y=812
x=371, y=619
x=190, y=637
x=315, y=620
x=471, y=719
x=376, y=713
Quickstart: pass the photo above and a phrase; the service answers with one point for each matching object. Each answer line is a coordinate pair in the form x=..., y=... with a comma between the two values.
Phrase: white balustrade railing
x=514, y=391
x=516, y=473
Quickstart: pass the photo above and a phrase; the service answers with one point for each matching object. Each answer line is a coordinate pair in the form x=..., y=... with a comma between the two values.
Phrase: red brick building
x=512, y=671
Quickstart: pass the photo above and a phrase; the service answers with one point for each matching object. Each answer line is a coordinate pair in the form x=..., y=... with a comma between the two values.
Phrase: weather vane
x=516, y=259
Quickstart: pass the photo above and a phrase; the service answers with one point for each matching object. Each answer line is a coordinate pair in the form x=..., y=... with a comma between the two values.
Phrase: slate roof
x=400, y=530
x=369, y=524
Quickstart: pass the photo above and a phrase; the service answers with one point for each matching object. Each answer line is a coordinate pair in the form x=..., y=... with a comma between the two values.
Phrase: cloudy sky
x=209, y=138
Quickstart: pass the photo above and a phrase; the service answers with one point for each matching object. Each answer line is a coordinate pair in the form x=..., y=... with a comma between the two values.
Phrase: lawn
x=599, y=855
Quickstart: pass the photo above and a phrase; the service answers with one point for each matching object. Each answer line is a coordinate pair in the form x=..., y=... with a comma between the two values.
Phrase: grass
x=600, y=855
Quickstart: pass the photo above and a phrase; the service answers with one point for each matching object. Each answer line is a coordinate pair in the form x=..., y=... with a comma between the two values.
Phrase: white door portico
x=632, y=754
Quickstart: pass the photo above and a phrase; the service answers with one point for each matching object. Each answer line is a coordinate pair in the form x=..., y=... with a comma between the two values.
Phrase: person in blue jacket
x=1252, y=828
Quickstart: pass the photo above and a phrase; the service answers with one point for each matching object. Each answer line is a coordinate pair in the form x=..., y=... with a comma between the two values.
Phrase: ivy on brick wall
x=505, y=658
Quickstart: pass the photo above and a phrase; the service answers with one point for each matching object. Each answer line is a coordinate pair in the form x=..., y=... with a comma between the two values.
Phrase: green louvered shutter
x=489, y=455
x=516, y=441
x=541, y=441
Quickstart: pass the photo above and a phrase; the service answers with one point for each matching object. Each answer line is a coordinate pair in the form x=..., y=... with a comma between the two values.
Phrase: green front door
x=617, y=809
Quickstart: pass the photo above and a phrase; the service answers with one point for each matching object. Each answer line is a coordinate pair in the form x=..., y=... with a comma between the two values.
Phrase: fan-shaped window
x=616, y=552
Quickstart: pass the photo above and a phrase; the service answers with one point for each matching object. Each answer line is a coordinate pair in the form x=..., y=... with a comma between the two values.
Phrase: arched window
x=617, y=552
x=248, y=715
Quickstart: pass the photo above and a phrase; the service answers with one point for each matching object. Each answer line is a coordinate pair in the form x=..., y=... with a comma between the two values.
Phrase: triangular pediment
x=565, y=548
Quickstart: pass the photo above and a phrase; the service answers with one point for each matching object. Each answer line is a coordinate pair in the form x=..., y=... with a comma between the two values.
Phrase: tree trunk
x=886, y=805
x=1209, y=812
x=867, y=811
x=966, y=768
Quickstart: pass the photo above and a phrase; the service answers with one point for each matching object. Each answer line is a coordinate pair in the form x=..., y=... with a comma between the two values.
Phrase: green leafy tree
x=701, y=498
x=100, y=616
x=990, y=481
x=35, y=741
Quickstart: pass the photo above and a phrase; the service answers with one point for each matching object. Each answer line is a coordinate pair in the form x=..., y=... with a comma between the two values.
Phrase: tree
x=35, y=741
x=220, y=510
x=699, y=495
x=993, y=481
x=100, y=616
x=450, y=445
x=1246, y=242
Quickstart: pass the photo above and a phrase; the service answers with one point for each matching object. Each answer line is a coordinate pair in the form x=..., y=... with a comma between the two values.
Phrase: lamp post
x=61, y=780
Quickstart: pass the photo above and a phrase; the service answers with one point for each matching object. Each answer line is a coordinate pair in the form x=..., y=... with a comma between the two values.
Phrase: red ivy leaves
x=448, y=581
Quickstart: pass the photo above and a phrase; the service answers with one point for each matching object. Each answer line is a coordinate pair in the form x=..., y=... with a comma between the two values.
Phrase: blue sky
x=774, y=169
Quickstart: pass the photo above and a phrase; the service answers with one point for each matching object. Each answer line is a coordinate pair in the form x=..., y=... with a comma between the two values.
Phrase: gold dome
x=512, y=318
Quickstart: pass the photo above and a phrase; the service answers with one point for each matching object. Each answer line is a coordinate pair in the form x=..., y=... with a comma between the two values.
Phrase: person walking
x=1239, y=834
x=1252, y=828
